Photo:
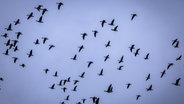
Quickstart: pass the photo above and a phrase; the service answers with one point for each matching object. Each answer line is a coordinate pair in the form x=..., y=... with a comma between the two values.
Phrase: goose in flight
x=74, y=57
x=174, y=41
x=95, y=33
x=106, y=57
x=40, y=20
x=67, y=97
x=115, y=28
x=22, y=65
x=177, y=82
x=179, y=58
x=7, y=43
x=82, y=75
x=59, y=5
x=120, y=67
x=36, y=42
x=9, y=28
x=52, y=87
x=112, y=22
x=148, y=77
x=101, y=73
x=108, y=44
x=30, y=53
x=56, y=74
x=39, y=7
x=1, y=79
x=147, y=56
x=80, y=48
x=128, y=85
x=44, y=39
x=75, y=82
x=133, y=16
x=16, y=49
x=7, y=52
x=18, y=34
x=132, y=47
x=89, y=63
x=109, y=89
x=51, y=46
x=46, y=70
x=84, y=35
x=103, y=22
x=44, y=11
x=121, y=59
x=30, y=16
x=169, y=65
x=60, y=83
x=137, y=52
x=5, y=35
x=15, y=59
x=137, y=97
x=75, y=88
x=64, y=89
x=149, y=88
x=17, y=22
x=163, y=73
x=177, y=45
x=15, y=42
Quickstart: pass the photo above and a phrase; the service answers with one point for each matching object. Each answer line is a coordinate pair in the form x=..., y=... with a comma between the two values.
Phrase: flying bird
x=128, y=85
x=120, y=67
x=101, y=73
x=36, y=42
x=148, y=77
x=64, y=89
x=82, y=75
x=30, y=16
x=112, y=22
x=51, y=46
x=56, y=74
x=22, y=65
x=7, y=52
x=74, y=57
x=18, y=34
x=149, y=88
x=1, y=79
x=59, y=5
x=108, y=44
x=177, y=45
x=174, y=41
x=133, y=16
x=163, y=73
x=84, y=35
x=5, y=35
x=103, y=22
x=15, y=59
x=132, y=47
x=44, y=39
x=60, y=83
x=169, y=65
x=109, y=89
x=89, y=63
x=67, y=97
x=39, y=7
x=115, y=28
x=147, y=56
x=44, y=11
x=80, y=48
x=40, y=20
x=75, y=82
x=137, y=52
x=95, y=33
x=137, y=97
x=121, y=59
x=75, y=88
x=9, y=28
x=17, y=22
x=30, y=53
x=177, y=82
x=52, y=87
x=106, y=57
x=46, y=70
x=179, y=58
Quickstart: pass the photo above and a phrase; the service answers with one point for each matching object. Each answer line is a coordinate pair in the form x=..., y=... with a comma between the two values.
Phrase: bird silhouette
x=137, y=52
x=163, y=73
x=112, y=22
x=44, y=11
x=52, y=87
x=67, y=97
x=75, y=88
x=75, y=82
x=7, y=52
x=94, y=98
x=101, y=73
x=30, y=53
x=121, y=59
x=7, y=43
x=148, y=77
x=133, y=16
x=60, y=83
x=63, y=102
x=18, y=34
x=169, y=65
x=132, y=47
x=115, y=28
x=179, y=58
x=1, y=79
x=15, y=42
x=128, y=85
x=95, y=33
x=30, y=16
x=17, y=22
x=149, y=88
x=22, y=65
x=106, y=57
x=40, y=20
x=108, y=44
x=51, y=46
x=120, y=67
x=36, y=42
x=39, y=7
x=177, y=82
x=56, y=74
x=9, y=28
x=109, y=89
x=16, y=48
x=5, y=35
x=103, y=22
x=15, y=59
x=174, y=41
x=74, y=57
x=147, y=56
x=44, y=39
x=89, y=63
x=84, y=35
x=177, y=45
x=82, y=75
x=137, y=97
x=59, y=5
x=83, y=100
x=46, y=70
x=80, y=48
x=64, y=89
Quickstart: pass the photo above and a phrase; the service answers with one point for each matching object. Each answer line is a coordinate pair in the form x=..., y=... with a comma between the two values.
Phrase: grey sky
x=157, y=24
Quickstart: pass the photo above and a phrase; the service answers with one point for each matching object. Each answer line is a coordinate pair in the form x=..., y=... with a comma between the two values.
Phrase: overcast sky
x=157, y=23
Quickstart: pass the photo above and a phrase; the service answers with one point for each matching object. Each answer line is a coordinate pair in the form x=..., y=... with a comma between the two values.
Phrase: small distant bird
x=109, y=89
x=36, y=42
x=56, y=74
x=30, y=53
x=15, y=42
x=179, y=58
x=52, y=87
x=133, y=16
x=39, y=7
x=44, y=11
x=63, y=102
x=120, y=67
x=174, y=41
x=75, y=88
x=101, y=73
x=94, y=98
x=7, y=43
x=59, y=5
x=95, y=33
x=40, y=20
x=17, y=22
x=137, y=97
x=18, y=34
x=46, y=70
x=82, y=75
x=75, y=82
x=132, y=47
x=16, y=49
x=128, y=85
x=51, y=46
x=112, y=22
x=60, y=83
x=149, y=88
x=148, y=77
x=74, y=57
x=106, y=57
x=44, y=39
x=177, y=45
x=177, y=82
x=147, y=56
x=67, y=98
x=115, y=28
x=5, y=35
x=7, y=52
x=103, y=22
x=64, y=89
x=80, y=48
x=30, y=16
x=163, y=73
x=89, y=63
x=84, y=35
x=1, y=79
x=137, y=52
x=108, y=44
x=121, y=59
x=68, y=80
x=83, y=100
x=9, y=28
x=15, y=59
x=22, y=65
x=169, y=65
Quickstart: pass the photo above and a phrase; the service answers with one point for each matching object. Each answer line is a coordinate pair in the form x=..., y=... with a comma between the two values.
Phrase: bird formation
x=13, y=46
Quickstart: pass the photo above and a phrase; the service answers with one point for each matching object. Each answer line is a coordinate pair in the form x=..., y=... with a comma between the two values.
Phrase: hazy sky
x=157, y=24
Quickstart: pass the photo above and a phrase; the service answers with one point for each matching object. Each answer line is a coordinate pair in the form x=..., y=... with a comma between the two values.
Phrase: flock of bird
x=12, y=45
